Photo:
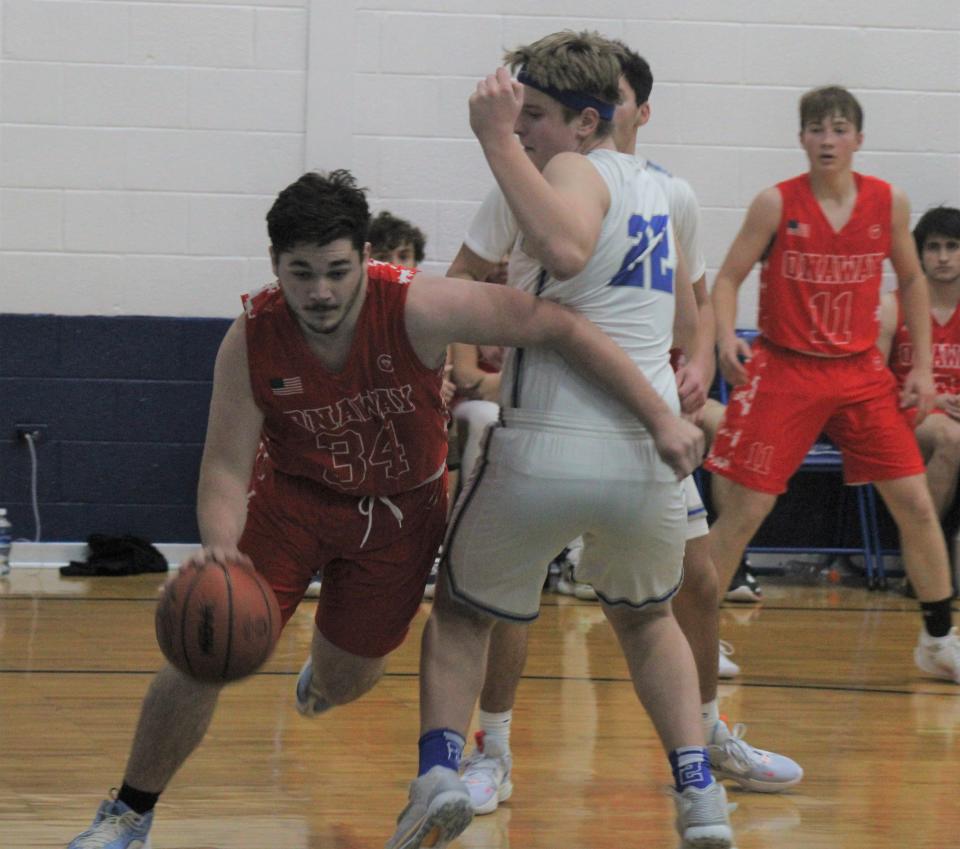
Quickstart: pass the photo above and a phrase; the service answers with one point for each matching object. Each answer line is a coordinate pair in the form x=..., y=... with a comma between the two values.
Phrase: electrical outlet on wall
x=37, y=431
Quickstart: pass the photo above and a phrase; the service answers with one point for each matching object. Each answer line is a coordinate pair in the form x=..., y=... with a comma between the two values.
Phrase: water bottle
x=6, y=541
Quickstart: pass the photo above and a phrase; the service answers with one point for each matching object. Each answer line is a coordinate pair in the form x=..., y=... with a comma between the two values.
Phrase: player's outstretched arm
x=441, y=310
x=759, y=227
x=233, y=434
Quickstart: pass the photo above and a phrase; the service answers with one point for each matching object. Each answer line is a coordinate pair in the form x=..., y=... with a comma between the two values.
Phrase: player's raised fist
x=495, y=106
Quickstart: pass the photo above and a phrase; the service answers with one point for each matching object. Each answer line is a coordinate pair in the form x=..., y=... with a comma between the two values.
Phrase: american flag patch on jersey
x=286, y=386
x=797, y=228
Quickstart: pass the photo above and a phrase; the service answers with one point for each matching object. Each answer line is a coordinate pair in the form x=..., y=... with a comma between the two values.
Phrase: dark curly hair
x=318, y=209
x=388, y=232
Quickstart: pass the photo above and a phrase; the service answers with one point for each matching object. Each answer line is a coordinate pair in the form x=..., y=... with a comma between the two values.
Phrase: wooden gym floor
x=828, y=679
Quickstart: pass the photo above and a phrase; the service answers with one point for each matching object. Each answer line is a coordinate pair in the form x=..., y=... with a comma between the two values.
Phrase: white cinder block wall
x=141, y=142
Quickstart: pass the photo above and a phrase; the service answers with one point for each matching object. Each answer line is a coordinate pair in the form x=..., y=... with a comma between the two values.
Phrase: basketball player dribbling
x=325, y=451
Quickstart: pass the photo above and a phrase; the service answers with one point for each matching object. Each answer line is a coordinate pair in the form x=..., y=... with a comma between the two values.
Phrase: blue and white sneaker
x=734, y=758
x=309, y=704
x=115, y=827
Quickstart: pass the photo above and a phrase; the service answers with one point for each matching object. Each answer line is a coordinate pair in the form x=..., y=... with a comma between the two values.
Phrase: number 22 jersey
x=378, y=426
x=820, y=287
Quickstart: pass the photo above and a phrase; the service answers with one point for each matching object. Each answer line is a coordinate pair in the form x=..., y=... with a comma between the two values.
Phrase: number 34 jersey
x=378, y=427
x=820, y=287
x=626, y=289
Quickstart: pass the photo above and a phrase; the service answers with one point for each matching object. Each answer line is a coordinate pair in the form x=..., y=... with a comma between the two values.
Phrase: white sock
x=710, y=715
x=496, y=728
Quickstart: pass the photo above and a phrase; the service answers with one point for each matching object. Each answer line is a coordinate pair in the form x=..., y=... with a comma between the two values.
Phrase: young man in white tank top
x=487, y=771
x=564, y=460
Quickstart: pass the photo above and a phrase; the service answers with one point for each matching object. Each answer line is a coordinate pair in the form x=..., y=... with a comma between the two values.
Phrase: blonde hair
x=583, y=62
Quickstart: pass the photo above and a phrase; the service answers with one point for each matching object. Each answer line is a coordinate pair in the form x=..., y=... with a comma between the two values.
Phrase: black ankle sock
x=937, y=618
x=139, y=801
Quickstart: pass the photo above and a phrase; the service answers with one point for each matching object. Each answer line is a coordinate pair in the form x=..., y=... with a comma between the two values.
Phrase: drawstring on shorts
x=366, y=505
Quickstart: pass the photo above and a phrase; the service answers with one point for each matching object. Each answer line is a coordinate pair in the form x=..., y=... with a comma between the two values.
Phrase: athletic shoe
x=753, y=769
x=940, y=658
x=567, y=583
x=744, y=587
x=438, y=811
x=584, y=592
x=115, y=827
x=703, y=820
x=308, y=703
x=726, y=668
x=486, y=772
x=313, y=588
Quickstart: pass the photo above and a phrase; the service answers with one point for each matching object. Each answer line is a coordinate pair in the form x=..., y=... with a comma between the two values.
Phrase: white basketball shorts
x=533, y=491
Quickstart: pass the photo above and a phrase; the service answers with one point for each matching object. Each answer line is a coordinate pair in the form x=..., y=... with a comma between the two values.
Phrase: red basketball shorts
x=374, y=563
x=789, y=399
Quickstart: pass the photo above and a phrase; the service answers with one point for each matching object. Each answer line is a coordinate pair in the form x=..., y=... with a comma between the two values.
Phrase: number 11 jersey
x=820, y=287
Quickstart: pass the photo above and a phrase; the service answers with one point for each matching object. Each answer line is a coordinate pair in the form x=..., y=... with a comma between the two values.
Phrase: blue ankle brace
x=440, y=747
x=691, y=768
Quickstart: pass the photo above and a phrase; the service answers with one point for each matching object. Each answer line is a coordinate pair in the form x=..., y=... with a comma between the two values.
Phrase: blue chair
x=825, y=457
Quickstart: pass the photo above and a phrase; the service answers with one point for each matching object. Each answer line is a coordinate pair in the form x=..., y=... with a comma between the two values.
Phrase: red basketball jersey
x=946, y=351
x=376, y=428
x=820, y=288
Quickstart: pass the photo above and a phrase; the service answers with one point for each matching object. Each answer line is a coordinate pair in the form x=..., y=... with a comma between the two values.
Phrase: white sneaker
x=754, y=769
x=313, y=588
x=567, y=583
x=438, y=811
x=115, y=827
x=486, y=772
x=726, y=668
x=703, y=820
x=939, y=657
x=309, y=703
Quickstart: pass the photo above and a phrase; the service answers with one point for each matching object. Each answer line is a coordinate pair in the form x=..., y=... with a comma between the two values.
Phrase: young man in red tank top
x=325, y=449
x=815, y=367
x=937, y=236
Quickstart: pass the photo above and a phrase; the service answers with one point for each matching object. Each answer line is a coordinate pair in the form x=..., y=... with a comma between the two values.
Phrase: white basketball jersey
x=494, y=232
x=627, y=289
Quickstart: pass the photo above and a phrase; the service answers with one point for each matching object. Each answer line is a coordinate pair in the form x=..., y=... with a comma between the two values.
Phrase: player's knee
x=913, y=506
x=741, y=508
x=342, y=685
x=700, y=584
x=947, y=444
x=451, y=615
x=700, y=588
x=627, y=619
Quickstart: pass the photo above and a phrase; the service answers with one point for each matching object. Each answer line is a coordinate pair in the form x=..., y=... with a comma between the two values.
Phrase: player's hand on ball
x=222, y=554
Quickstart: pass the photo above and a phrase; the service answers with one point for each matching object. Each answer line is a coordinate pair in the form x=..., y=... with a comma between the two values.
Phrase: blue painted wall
x=125, y=403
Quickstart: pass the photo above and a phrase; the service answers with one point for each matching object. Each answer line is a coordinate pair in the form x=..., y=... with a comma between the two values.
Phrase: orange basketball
x=217, y=623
